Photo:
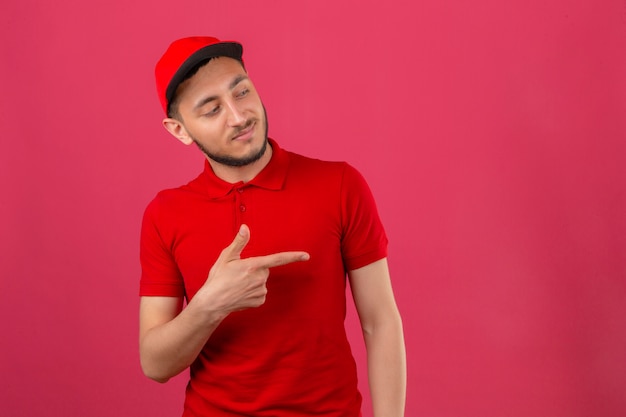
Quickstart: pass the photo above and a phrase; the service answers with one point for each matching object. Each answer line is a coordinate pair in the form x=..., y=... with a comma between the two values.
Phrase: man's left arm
x=384, y=339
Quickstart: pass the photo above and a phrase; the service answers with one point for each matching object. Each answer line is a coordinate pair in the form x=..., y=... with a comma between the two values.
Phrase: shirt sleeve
x=364, y=240
x=160, y=275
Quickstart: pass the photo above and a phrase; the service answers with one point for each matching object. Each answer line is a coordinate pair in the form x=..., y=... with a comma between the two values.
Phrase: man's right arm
x=170, y=337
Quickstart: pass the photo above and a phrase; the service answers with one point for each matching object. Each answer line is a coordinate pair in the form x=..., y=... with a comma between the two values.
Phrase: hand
x=236, y=284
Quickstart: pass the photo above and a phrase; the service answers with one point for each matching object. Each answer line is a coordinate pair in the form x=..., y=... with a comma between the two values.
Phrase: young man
x=259, y=245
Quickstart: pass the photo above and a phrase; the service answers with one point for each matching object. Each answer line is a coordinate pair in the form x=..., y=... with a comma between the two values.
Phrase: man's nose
x=235, y=116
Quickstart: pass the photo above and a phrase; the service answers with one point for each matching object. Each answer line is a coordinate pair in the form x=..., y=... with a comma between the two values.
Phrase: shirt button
x=242, y=207
x=240, y=190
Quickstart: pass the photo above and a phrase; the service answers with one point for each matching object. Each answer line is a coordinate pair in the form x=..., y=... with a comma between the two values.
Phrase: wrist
x=205, y=307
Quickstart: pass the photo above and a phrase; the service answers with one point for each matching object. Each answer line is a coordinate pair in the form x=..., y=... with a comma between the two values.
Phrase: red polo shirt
x=289, y=357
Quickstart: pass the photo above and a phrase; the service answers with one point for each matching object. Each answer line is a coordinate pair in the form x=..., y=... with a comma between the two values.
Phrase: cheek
x=205, y=131
x=257, y=109
x=254, y=102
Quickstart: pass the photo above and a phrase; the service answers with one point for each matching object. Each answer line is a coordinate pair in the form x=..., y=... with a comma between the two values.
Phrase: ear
x=177, y=129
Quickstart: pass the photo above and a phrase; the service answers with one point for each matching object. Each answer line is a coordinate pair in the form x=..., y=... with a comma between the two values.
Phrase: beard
x=232, y=161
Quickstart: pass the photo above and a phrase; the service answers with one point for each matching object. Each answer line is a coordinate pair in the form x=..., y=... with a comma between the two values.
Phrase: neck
x=244, y=173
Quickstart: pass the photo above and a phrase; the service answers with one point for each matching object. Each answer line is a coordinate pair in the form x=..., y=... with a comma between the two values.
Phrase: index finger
x=280, y=258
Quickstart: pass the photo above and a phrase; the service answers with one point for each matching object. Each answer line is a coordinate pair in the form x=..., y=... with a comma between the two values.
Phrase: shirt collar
x=271, y=177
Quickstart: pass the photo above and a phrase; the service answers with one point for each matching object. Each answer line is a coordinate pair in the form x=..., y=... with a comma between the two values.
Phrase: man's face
x=222, y=113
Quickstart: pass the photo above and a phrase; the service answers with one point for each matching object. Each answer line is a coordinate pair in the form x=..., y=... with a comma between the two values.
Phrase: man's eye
x=243, y=93
x=212, y=111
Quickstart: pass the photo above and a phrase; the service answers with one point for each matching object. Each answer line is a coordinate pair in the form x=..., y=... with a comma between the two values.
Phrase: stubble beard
x=232, y=161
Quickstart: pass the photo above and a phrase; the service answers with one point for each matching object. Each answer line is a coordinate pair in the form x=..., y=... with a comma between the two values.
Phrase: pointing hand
x=235, y=283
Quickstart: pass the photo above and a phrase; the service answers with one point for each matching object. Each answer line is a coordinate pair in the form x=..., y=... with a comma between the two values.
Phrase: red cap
x=184, y=54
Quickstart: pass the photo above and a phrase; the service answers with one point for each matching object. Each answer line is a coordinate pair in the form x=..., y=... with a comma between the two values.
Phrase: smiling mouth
x=246, y=132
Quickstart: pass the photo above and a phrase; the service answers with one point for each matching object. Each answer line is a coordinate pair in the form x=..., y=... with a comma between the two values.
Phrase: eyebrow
x=239, y=78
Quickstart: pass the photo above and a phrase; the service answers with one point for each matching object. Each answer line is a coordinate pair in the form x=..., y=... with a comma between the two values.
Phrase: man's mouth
x=245, y=133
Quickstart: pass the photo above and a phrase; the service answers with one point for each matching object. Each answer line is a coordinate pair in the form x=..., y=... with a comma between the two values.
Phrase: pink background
x=492, y=134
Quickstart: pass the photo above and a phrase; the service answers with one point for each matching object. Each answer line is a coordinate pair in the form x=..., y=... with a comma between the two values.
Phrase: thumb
x=233, y=251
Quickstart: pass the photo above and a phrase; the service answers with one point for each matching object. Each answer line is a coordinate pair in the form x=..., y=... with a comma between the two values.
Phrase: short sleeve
x=364, y=240
x=160, y=275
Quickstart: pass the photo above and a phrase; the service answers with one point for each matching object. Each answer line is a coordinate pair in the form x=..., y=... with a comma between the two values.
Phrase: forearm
x=168, y=349
x=386, y=360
